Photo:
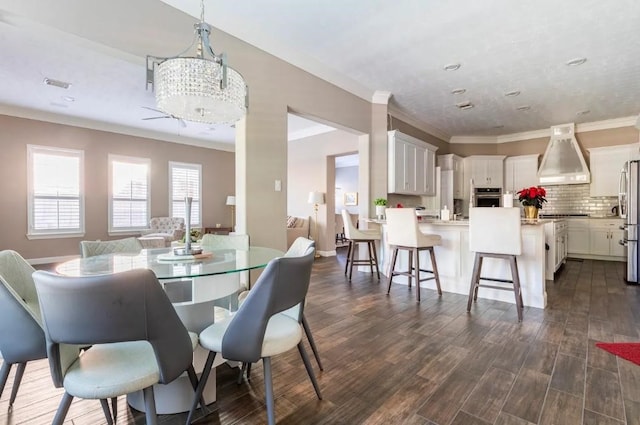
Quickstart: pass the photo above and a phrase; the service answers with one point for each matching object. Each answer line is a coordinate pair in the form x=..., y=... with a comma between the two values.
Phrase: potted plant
x=532, y=199
x=380, y=204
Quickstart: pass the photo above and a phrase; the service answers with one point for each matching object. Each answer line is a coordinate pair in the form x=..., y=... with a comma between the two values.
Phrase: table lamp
x=231, y=201
x=316, y=198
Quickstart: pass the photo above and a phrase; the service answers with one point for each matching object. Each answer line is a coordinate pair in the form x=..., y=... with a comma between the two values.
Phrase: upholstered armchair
x=170, y=228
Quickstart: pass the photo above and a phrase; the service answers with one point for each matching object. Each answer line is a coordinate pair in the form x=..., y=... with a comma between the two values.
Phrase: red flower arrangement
x=532, y=196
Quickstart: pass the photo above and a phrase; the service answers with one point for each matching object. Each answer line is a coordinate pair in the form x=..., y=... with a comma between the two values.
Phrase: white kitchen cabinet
x=578, y=237
x=411, y=165
x=605, y=164
x=605, y=235
x=485, y=170
x=520, y=172
x=454, y=163
x=557, y=240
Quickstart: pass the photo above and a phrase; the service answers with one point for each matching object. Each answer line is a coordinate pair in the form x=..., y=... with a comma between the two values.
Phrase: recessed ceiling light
x=523, y=108
x=68, y=98
x=56, y=83
x=59, y=105
x=464, y=105
x=585, y=112
x=452, y=67
x=211, y=129
x=497, y=127
x=458, y=91
x=576, y=61
x=512, y=93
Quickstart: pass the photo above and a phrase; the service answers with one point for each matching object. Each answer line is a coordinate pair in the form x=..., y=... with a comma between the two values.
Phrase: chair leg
x=4, y=374
x=268, y=390
x=392, y=267
x=410, y=275
x=370, y=256
x=107, y=412
x=243, y=369
x=201, y=384
x=415, y=253
x=63, y=408
x=352, y=252
x=193, y=378
x=516, y=286
x=150, y=406
x=474, y=280
x=312, y=343
x=346, y=263
x=16, y=382
x=375, y=258
x=307, y=365
x=434, y=267
x=114, y=408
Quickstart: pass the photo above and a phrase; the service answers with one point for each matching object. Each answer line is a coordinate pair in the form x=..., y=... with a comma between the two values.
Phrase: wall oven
x=487, y=196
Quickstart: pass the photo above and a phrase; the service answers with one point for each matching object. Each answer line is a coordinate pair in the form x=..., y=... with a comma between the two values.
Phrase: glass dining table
x=202, y=290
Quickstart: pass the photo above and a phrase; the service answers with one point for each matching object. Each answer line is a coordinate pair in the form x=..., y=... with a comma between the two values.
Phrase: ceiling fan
x=183, y=124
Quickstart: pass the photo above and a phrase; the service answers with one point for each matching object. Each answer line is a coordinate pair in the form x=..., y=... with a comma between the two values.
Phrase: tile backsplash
x=575, y=199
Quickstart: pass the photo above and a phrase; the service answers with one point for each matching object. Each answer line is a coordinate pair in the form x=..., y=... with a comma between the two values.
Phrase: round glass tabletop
x=221, y=261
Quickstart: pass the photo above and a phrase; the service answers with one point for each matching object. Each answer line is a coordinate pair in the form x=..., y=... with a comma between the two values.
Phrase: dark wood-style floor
x=389, y=360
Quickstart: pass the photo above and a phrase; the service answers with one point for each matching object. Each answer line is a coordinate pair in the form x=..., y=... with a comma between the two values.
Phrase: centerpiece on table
x=532, y=199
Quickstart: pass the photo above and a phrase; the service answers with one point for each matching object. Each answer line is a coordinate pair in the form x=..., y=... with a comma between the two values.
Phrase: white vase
x=380, y=211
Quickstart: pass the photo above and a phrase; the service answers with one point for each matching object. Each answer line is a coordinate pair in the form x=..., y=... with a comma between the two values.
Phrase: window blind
x=129, y=194
x=185, y=181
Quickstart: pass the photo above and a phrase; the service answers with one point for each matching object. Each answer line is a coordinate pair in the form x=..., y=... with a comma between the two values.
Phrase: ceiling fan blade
x=155, y=118
x=154, y=110
x=182, y=123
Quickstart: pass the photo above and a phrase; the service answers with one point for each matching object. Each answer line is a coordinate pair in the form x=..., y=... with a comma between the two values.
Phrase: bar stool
x=495, y=233
x=354, y=237
x=404, y=234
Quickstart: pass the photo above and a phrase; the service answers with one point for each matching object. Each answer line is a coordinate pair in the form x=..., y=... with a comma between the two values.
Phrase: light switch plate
x=278, y=185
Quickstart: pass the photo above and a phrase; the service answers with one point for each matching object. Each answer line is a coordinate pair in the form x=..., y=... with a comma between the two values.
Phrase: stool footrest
x=494, y=279
x=504, y=288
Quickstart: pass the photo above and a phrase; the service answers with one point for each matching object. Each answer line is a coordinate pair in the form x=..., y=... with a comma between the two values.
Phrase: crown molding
x=472, y=140
x=381, y=97
x=310, y=131
x=398, y=113
x=33, y=114
x=606, y=124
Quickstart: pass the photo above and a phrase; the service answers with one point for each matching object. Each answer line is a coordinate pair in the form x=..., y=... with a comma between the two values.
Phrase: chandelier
x=198, y=88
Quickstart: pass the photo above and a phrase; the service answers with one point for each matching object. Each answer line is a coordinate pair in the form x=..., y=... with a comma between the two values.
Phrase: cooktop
x=561, y=215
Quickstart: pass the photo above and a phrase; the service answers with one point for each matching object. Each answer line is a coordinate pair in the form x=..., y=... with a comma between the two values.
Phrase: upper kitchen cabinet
x=452, y=162
x=606, y=164
x=520, y=172
x=485, y=170
x=412, y=165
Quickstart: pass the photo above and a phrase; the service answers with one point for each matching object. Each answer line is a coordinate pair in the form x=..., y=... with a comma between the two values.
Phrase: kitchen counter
x=455, y=261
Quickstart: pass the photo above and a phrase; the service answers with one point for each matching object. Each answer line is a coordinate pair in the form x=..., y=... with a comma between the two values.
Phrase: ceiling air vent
x=464, y=105
x=56, y=83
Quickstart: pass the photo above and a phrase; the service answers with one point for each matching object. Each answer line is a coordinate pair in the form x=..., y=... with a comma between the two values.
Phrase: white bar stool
x=495, y=233
x=354, y=237
x=403, y=233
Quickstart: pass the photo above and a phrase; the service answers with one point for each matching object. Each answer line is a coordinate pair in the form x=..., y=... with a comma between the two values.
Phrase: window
x=129, y=193
x=56, y=199
x=185, y=180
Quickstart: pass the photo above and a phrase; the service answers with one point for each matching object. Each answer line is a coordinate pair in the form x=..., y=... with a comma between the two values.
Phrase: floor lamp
x=231, y=201
x=316, y=198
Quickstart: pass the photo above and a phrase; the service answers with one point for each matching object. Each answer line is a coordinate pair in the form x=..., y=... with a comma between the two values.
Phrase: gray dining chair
x=22, y=337
x=137, y=339
x=300, y=247
x=126, y=245
x=259, y=330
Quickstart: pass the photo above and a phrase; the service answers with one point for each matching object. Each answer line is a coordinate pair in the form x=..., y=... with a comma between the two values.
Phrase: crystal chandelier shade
x=198, y=88
x=190, y=88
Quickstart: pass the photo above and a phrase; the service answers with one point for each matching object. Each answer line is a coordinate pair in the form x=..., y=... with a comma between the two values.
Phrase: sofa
x=169, y=228
x=296, y=227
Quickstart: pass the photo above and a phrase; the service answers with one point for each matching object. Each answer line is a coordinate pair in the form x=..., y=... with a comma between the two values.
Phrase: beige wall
x=218, y=174
x=586, y=140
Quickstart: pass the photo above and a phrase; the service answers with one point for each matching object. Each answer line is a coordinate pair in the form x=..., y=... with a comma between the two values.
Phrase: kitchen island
x=455, y=261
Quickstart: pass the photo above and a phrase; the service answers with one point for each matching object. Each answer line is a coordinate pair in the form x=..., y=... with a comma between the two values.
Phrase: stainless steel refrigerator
x=628, y=209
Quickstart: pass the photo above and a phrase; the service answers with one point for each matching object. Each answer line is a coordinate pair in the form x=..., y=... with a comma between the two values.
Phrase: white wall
x=307, y=171
x=346, y=181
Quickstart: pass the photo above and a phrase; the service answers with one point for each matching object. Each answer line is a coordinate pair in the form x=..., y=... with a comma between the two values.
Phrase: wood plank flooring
x=389, y=360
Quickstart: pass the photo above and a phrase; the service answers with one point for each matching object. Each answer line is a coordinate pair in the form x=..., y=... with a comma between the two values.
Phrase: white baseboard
x=50, y=260
x=327, y=253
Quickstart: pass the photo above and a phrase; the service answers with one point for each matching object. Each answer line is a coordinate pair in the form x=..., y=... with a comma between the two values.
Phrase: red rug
x=627, y=350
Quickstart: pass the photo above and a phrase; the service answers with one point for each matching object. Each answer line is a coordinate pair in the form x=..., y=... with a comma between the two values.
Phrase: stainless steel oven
x=487, y=197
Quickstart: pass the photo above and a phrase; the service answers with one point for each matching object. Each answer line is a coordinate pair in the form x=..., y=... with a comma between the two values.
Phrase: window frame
x=192, y=166
x=132, y=160
x=32, y=233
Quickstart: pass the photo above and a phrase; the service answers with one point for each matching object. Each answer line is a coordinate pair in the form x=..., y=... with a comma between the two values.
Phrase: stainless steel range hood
x=563, y=162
